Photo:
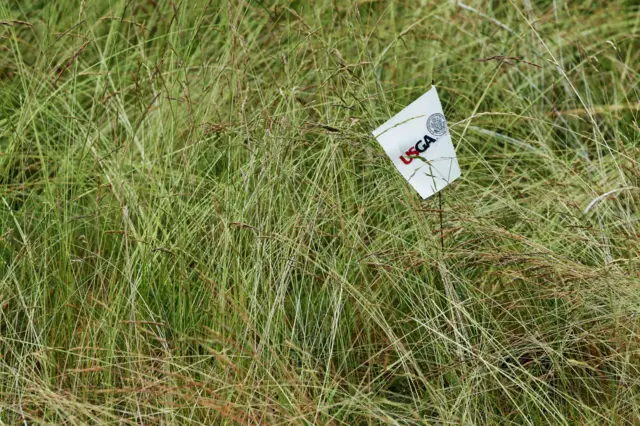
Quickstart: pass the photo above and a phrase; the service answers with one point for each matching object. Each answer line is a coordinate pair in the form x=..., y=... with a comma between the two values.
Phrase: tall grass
x=197, y=226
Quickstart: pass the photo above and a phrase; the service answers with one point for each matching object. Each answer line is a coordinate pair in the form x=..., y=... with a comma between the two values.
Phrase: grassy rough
x=197, y=226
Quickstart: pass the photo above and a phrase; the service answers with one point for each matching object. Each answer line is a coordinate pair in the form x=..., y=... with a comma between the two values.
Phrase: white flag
x=418, y=142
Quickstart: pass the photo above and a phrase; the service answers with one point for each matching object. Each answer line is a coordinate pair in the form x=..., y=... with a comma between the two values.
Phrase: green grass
x=197, y=227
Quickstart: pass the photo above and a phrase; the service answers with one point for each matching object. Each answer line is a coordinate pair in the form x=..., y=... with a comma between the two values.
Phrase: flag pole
x=441, y=222
x=433, y=84
x=449, y=290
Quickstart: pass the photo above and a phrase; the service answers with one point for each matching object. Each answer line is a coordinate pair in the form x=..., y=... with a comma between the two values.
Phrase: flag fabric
x=418, y=141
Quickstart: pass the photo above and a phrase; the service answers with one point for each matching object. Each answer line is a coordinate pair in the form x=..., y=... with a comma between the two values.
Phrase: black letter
x=422, y=146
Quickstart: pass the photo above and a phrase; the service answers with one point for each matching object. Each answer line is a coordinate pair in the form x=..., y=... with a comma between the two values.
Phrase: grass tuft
x=197, y=226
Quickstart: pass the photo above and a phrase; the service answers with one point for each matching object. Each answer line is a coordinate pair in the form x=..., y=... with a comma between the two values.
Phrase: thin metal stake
x=449, y=290
x=441, y=222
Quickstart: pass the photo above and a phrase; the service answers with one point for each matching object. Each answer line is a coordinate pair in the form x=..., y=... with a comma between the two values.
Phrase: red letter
x=411, y=152
x=405, y=161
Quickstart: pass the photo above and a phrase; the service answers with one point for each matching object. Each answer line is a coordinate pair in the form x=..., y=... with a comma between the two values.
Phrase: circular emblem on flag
x=437, y=124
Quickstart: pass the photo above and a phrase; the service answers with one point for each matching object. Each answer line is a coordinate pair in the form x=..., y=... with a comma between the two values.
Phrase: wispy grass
x=197, y=227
